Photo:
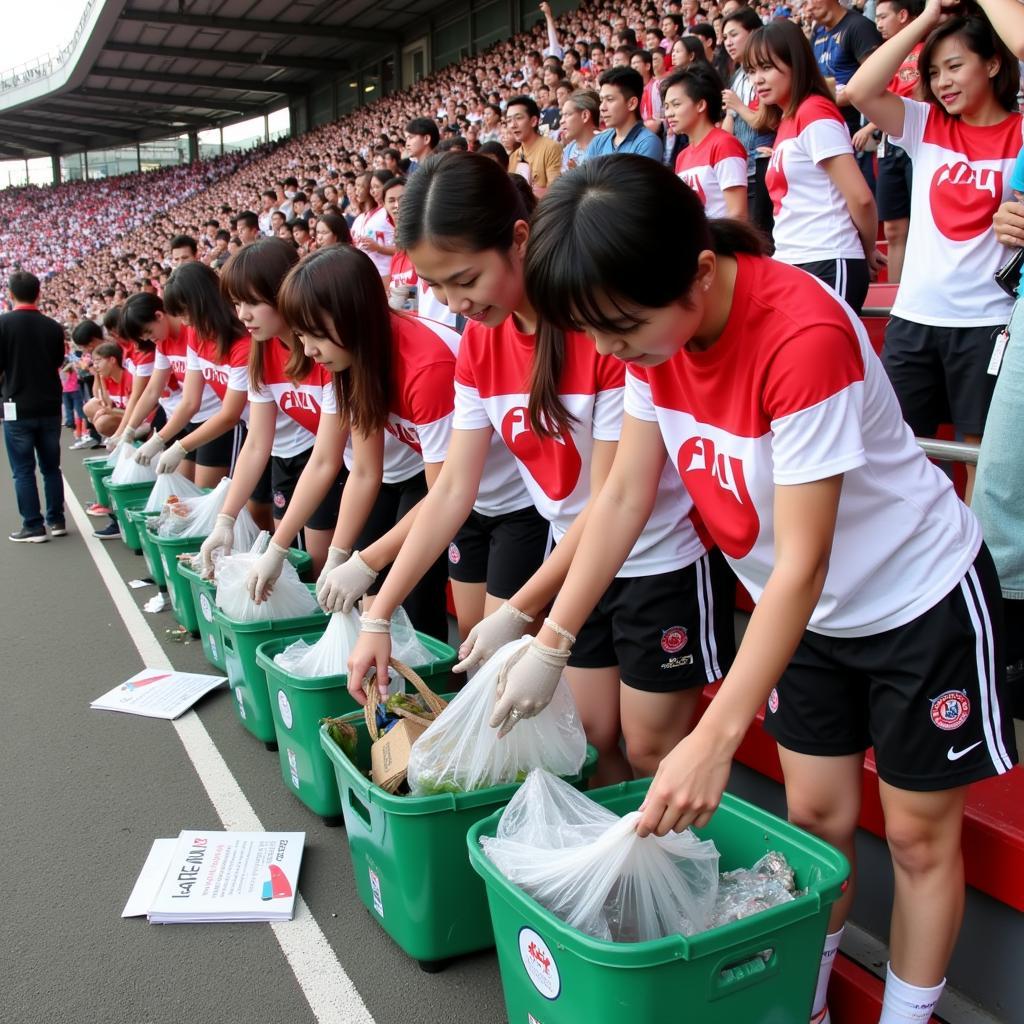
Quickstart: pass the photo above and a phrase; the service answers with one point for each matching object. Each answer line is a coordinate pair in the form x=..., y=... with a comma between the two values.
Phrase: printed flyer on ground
x=219, y=877
x=158, y=693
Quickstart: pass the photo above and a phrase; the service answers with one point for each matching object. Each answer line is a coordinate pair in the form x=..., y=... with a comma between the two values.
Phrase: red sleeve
x=239, y=354
x=816, y=108
x=611, y=373
x=725, y=146
x=431, y=393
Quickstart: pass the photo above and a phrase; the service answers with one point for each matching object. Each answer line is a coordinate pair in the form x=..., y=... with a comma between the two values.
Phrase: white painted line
x=328, y=989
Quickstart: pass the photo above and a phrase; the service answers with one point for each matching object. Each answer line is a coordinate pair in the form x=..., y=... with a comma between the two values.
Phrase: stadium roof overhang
x=147, y=69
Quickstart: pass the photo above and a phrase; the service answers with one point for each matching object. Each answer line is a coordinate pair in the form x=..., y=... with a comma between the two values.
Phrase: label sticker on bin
x=204, y=604
x=213, y=646
x=540, y=965
x=285, y=708
x=241, y=702
x=378, y=904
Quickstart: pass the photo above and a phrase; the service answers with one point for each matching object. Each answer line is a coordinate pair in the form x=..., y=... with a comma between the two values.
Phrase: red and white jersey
x=492, y=384
x=804, y=398
x=427, y=303
x=422, y=373
x=812, y=221
x=961, y=176
x=717, y=162
x=137, y=361
x=230, y=373
x=172, y=354
x=298, y=405
x=119, y=391
x=376, y=225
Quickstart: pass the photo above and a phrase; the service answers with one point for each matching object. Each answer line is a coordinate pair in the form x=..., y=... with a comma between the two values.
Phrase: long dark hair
x=979, y=37
x=337, y=293
x=136, y=314
x=782, y=42
x=597, y=236
x=193, y=290
x=254, y=275
x=465, y=201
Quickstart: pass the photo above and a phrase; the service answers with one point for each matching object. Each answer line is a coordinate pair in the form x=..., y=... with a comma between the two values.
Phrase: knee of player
x=834, y=820
x=920, y=845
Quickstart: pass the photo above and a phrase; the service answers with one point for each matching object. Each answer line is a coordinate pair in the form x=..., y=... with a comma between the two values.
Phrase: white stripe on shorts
x=984, y=648
x=706, y=603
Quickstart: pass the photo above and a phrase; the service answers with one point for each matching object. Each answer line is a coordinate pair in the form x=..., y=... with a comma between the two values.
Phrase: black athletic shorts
x=284, y=475
x=849, y=279
x=426, y=605
x=892, y=189
x=930, y=696
x=667, y=632
x=501, y=551
x=940, y=374
x=218, y=452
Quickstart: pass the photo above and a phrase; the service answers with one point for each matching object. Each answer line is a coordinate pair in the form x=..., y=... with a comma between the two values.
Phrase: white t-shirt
x=492, y=390
x=716, y=163
x=222, y=375
x=961, y=176
x=804, y=398
x=298, y=405
x=171, y=354
x=812, y=222
x=378, y=226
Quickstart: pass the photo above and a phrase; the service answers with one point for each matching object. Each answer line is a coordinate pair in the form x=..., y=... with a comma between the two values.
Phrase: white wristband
x=369, y=625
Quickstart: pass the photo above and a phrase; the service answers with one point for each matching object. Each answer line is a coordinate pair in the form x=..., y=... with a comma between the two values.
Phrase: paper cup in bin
x=139, y=518
x=98, y=470
x=763, y=968
x=247, y=679
x=409, y=855
x=299, y=702
x=123, y=499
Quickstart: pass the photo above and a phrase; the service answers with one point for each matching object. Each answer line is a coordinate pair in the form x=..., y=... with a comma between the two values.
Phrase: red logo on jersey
x=719, y=490
x=951, y=710
x=693, y=181
x=293, y=401
x=673, y=639
x=775, y=180
x=964, y=199
x=215, y=377
x=407, y=435
x=553, y=462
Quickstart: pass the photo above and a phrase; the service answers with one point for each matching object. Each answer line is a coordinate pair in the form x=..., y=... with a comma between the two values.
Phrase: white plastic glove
x=171, y=459
x=335, y=557
x=145, y=453
x=339, y=590
x=499, y=628
x=526, y=684
x=222, y=539
x=265, y=572
x=113, y=441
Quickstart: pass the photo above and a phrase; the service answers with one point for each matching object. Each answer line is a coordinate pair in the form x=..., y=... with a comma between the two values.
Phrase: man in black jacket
x=31, y=355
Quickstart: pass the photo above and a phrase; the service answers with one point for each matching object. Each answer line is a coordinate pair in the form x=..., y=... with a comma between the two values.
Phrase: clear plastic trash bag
x=290, y=598
x=461, y=752
x=127, y=470
x=589, y=867
x=197, y=517
x=329, y=655
x=168, y=485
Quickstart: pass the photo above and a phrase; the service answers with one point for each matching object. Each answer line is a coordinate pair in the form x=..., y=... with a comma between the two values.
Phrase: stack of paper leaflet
x=207, y=877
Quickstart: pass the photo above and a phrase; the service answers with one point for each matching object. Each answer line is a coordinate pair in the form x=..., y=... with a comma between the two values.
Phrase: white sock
x=828, y=958
x=905, y=1003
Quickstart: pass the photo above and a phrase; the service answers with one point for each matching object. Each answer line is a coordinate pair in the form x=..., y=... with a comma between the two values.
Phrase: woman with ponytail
x=663, y=628
x=877, y=605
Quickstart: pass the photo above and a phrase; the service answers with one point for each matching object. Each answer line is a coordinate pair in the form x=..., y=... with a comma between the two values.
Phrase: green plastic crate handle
x=360, y=808
x=730, y=975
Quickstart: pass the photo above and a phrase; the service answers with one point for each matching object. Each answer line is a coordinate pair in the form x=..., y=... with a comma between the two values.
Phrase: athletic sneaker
x=80, y=442
x=59, y=531
x=96, y=509
x=24, y=536
x=111, y=532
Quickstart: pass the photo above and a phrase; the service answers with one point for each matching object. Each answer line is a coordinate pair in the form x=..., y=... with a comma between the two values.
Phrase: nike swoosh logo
x=955, y=755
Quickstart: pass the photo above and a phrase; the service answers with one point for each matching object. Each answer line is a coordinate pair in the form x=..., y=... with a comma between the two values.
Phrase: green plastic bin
x=98, y=469
x=204, y=593
x=298, y=703
x=409, y=856
x=138, y=517
x=248, y=681
x=761, y=969
x=125, y=498
x=169, y=548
